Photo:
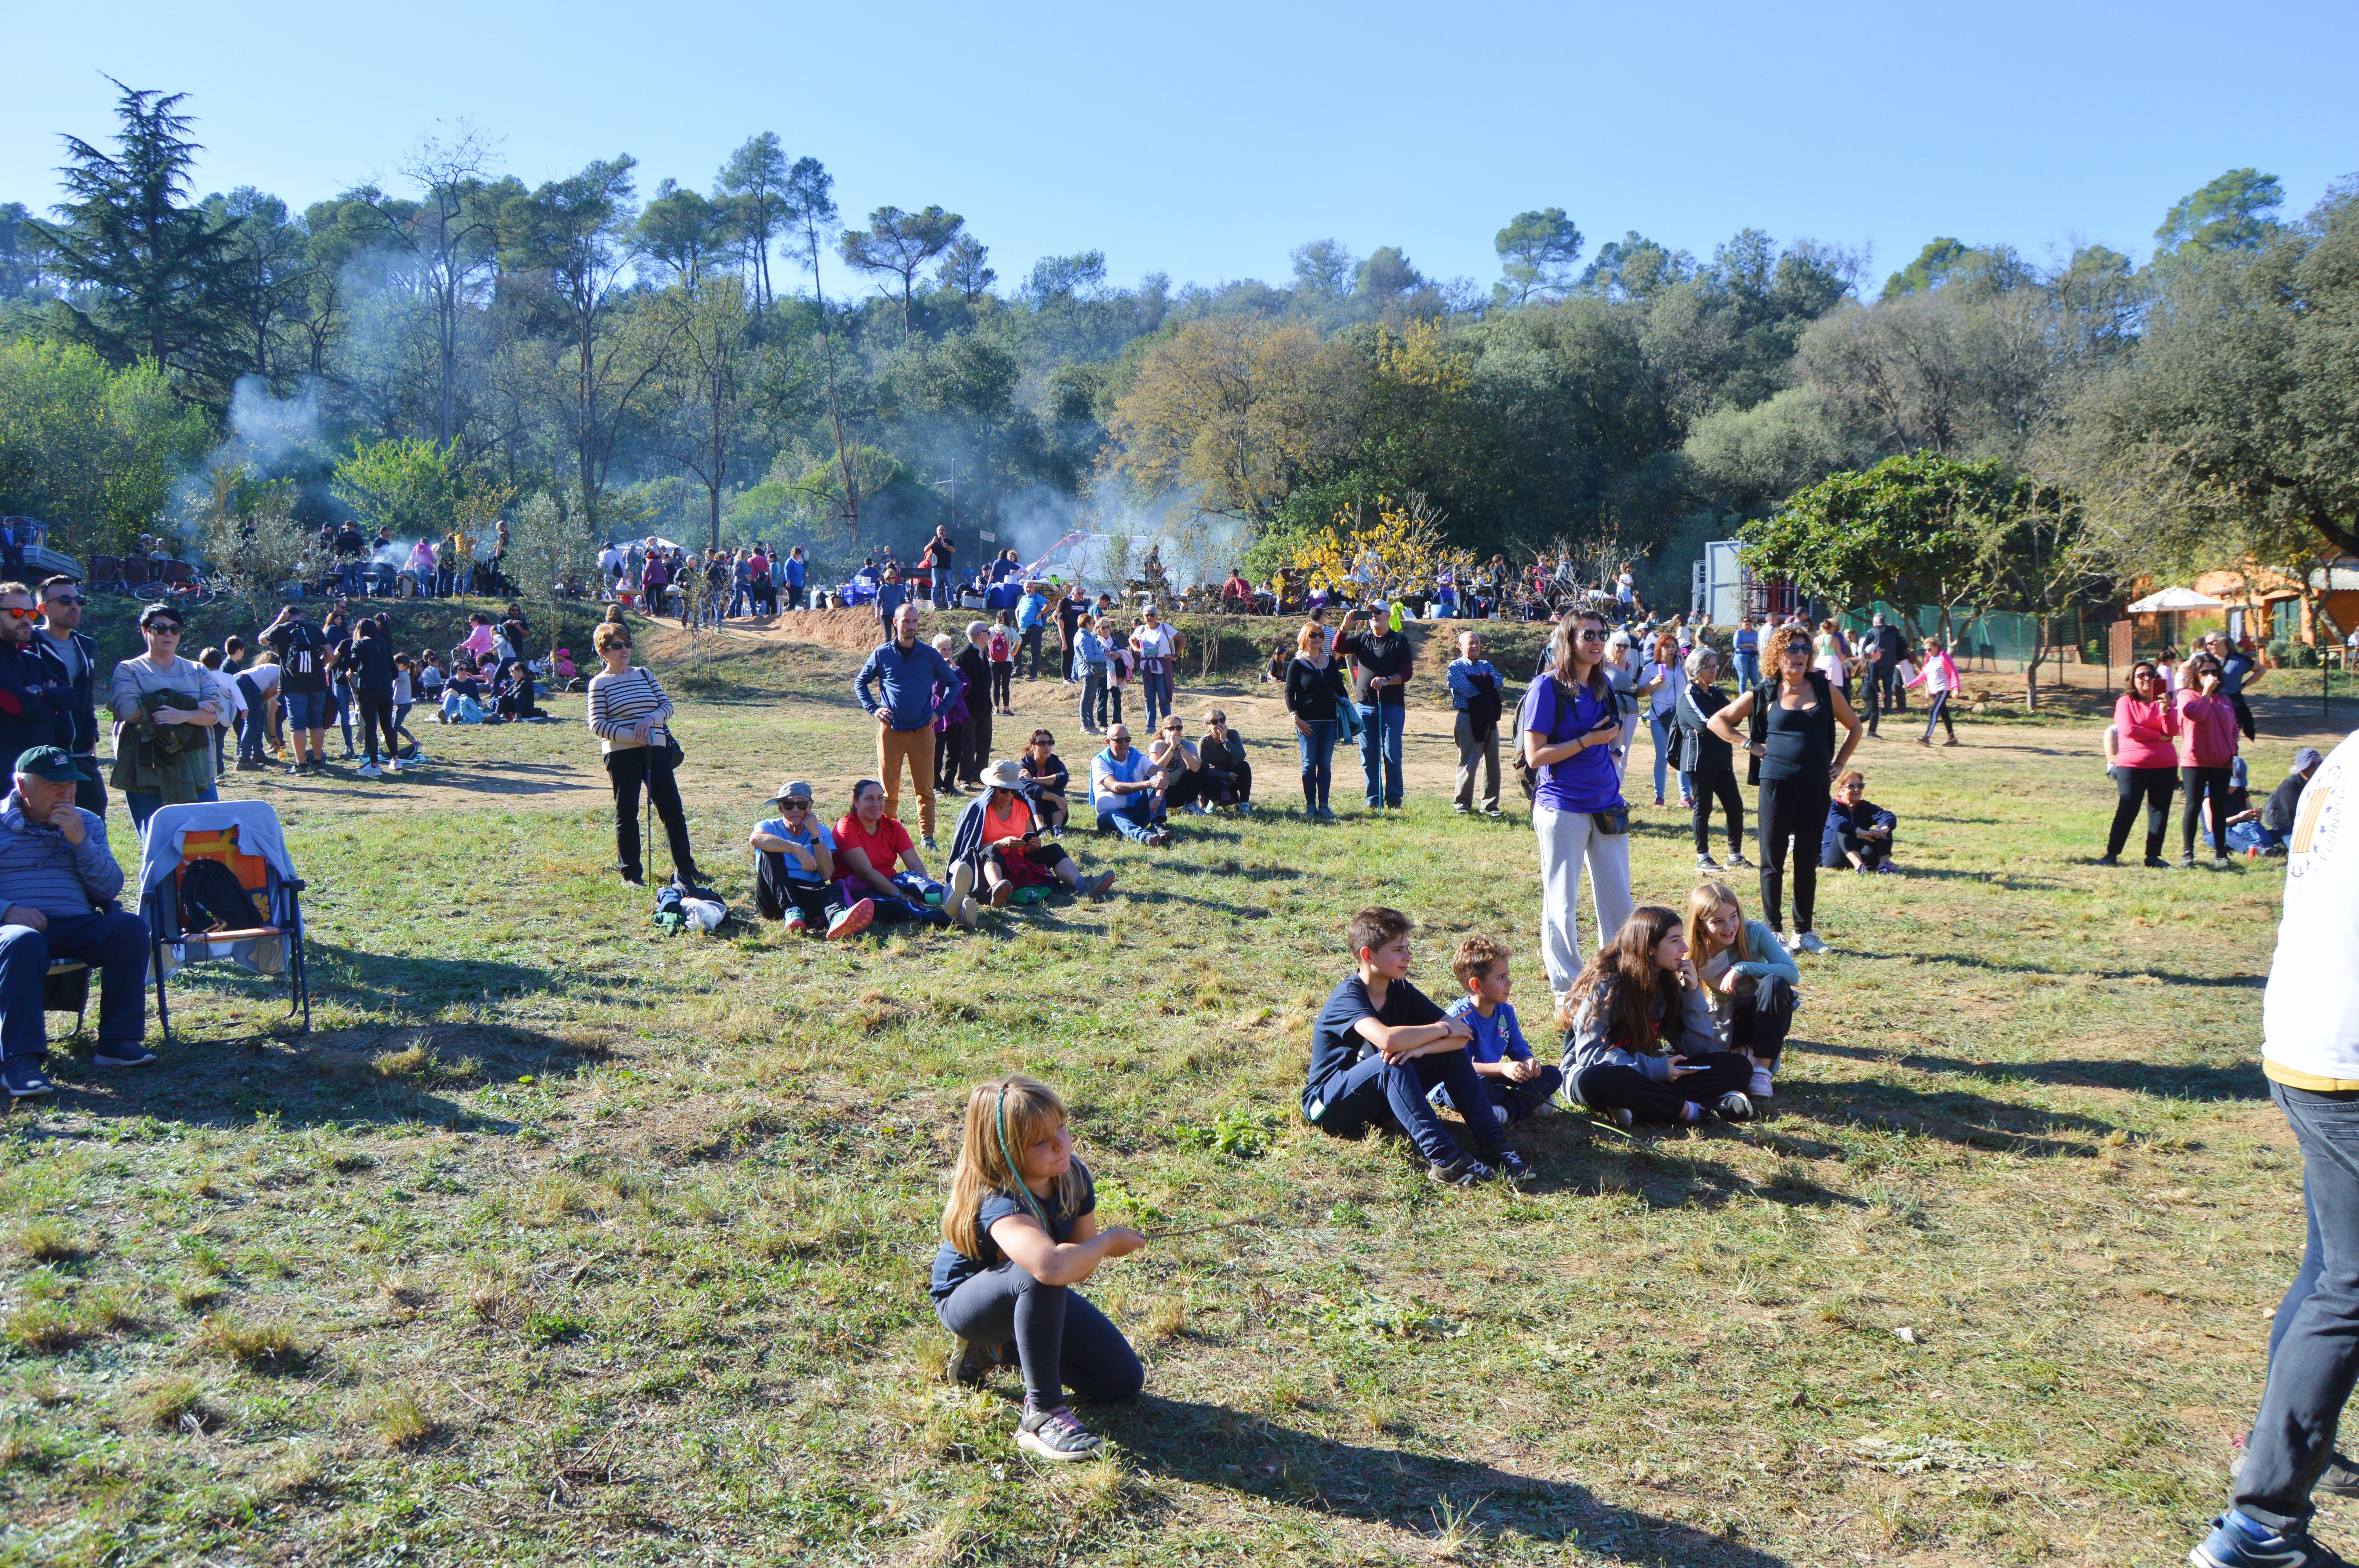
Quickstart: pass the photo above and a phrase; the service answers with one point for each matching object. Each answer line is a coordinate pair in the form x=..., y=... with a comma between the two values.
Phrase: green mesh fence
x=1992, y=640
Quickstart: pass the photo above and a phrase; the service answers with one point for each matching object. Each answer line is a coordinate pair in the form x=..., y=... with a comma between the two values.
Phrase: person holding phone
x=1638, y=1039
x=1568, y=722
x=1002, y=835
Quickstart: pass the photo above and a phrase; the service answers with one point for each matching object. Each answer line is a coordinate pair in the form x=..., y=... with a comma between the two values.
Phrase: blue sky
x=1207, y=140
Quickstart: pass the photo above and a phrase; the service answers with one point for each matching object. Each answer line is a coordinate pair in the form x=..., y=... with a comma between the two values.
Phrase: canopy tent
x=2170, y=600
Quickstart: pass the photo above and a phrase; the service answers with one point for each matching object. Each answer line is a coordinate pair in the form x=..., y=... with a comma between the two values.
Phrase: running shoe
x=2236, y=1541
x=23, y=1080
x=1706, y=863
x=2156, y=863
x=1737, y=862
x=1055, y=1434
x=797, y=925
x=370, y=770
x=1733, y=1107
x=1513, y=1166
x=1001, y=894
x=1463, y=810
x=971, y=1363
x=853, y=921
x=1464, y=1172
x=1809, y=943
x=1095, y=887
x=2109, y=860
x=393, y=766
x=1761, y=1087
x=122, y=1054
x=931, y=847
x=963, y=878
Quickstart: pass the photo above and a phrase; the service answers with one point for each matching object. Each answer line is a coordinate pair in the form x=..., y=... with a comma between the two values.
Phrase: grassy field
x=558, y=1240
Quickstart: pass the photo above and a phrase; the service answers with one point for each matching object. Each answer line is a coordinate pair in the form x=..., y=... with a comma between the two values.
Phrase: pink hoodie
x=2207, y=730
x=2143, y=732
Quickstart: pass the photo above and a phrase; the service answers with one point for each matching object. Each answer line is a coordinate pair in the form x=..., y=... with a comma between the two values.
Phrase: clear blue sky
x=1208, y=139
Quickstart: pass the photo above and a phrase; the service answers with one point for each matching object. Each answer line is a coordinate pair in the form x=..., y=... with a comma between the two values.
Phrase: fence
x=1992, y=640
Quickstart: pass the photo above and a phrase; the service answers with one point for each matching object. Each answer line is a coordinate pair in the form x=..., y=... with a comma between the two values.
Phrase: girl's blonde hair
x=1029, y=1109
x=1706, y=901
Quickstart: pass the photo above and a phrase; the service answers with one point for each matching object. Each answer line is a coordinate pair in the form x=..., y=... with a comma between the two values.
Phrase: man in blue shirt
x=796, y=569
x=1474, y=691
x=2237, y=671
x=1028, y=613
x=55, y=870
x=918, y=687
x=1124, y=790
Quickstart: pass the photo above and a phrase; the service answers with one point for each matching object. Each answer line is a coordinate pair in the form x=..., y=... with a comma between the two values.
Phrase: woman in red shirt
x=2145, y=762
x=880, y=866
x=2207, y=745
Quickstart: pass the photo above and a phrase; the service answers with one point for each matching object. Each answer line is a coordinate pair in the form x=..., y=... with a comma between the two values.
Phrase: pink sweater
x=2143, y=733
x=2207, y=731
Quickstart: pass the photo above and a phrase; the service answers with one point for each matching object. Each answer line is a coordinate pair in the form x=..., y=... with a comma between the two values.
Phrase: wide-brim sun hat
x=1004, y=774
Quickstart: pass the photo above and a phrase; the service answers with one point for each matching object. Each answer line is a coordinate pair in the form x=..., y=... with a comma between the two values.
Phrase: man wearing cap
x=55, y=870
x=2284, y=801
x=918, y=687
x=163, y=755
x=34, y=703
x=797, y=872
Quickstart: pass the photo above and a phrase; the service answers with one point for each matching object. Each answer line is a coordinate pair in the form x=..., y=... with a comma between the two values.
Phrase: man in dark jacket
x=35, y=704
x=72, y=660
x=973, y=666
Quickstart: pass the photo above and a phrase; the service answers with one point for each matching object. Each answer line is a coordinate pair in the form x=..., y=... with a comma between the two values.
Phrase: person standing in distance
x=918, y=687
x=73, y=658
x=2310, y=1052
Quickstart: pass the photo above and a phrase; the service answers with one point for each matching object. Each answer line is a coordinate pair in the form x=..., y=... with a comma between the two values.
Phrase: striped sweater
x=617, y=703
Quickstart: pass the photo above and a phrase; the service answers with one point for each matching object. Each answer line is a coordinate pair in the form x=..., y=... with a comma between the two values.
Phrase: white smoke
x=1115, y=537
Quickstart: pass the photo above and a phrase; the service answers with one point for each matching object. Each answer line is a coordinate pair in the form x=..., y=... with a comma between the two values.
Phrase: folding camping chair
x=244, y=837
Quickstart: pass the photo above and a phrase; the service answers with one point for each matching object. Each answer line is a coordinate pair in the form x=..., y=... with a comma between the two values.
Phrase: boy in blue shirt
x=1028, y=613
x=1381, y=1046
x=1521, y=1087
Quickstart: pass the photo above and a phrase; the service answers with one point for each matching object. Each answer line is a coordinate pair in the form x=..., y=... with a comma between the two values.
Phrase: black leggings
x=1061, y=1339
x=1612, y=1088
x=1940, y=716
x=2197, y=782
x=634, y=768
x=1704, y=786
x=1002, y=674
x=1757, y=1024
x=1791, y=808
x=376, y=719
x=2151, y=787
x=950, y=749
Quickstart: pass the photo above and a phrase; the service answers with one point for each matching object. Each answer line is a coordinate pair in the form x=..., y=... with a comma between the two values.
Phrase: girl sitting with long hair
x=1637, y=996
x=1019, y=1231
x=1747, y=979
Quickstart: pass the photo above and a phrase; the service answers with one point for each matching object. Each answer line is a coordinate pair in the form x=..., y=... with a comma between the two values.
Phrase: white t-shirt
x=225, y=687
x=1151, y=641
x=2309, y=1016
x=264, y=676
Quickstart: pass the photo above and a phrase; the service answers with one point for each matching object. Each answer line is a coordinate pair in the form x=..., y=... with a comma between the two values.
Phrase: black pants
x=1225, y=786
x=1793, y=809
x=1061, y=1339
x=2152, y=786
x=1610, y=1087
x=978, y=742
x=1703, y=787
x=376, y=719
x=1760, y=1022
x=1065, y=657
x=2198, y=783
x=1032, y=646
x=1872, y=698
x=950, y=752
x=1940, y=716
x=1002, y=674
x=631, y=769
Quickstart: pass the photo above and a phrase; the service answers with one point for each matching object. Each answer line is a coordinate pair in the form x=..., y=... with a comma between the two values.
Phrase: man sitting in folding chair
x=55, y=873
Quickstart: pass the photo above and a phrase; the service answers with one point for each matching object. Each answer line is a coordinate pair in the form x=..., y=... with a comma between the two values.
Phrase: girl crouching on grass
x=1637, y=995
x=1748, y=978
x=1019, y=1231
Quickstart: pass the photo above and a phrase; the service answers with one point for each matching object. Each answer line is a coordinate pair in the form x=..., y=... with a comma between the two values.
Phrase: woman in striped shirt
x=629, y=713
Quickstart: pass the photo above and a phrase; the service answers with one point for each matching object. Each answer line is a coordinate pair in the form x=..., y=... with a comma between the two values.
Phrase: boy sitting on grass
x=1521, y=1086
x=1381, y=1046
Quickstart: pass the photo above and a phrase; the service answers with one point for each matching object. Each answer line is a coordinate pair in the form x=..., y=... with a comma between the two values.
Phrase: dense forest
x=745, y=361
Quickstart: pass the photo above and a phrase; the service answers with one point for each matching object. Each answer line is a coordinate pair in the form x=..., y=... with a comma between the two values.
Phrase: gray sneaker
x=1464, y=1172
x=1809, y=943
x=1733, y=1107
x=1055, y=1434
x=122, y=1054
x=23, y=1080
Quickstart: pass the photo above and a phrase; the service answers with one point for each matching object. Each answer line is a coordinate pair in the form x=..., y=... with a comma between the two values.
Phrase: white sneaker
x=963, y=910
x=1809, y=943
x=394, y=766
x=1759, y=1089
x=370, y=770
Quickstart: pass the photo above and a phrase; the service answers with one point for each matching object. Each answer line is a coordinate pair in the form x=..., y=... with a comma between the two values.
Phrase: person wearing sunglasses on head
x=33, y=702
x=72, y=660
x=163, y=706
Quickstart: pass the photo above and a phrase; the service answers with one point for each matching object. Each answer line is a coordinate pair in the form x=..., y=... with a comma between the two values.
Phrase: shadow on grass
x=2241, y=1080
x=1207, y=1445
x=1975, y=961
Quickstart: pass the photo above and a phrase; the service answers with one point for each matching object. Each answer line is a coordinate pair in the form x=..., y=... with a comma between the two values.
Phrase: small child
x=1002, y=652
x=1019, y=1231
x=1521, y=1087
x=1858, y=832
x=1381, y=1046
x=405, y=697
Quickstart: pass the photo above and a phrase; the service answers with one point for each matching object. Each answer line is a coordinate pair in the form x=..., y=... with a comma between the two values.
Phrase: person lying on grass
x=1000, y=836
x=1747, y=976
x=1858, y=832
x=1521, y=1086
x=869, y=845
x=1381, y=1046
x=1636, y=994
x=1019, y=1231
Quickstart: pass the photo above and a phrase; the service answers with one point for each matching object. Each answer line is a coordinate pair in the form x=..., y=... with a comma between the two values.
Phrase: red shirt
x=883, y=848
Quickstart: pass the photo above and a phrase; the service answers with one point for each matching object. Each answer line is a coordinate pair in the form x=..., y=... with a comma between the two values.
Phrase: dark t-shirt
x=2285, y=805
x=1384, y=654
x=1053, y=775
x=953, y=1268
x=300, y=657
x=1335, y=1044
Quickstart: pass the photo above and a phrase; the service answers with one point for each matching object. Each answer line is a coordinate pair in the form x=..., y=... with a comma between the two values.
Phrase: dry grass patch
x=261, y=1346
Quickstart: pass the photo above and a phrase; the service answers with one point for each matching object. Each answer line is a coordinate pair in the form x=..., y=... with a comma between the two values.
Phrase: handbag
x=1613, y=821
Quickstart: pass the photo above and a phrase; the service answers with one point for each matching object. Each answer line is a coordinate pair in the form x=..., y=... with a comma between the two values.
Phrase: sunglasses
x=16, y=614
x=68, y=598
x=154, y=628
x=798, y=805
x=1590, y=636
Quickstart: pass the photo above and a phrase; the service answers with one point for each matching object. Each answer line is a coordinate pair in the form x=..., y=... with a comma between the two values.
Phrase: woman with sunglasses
x=632, y=717
x=1176, y=755
x=1568, y=722
x=2145, y=762
x=1791, y=739
x=1228, y=775
x=164, y=708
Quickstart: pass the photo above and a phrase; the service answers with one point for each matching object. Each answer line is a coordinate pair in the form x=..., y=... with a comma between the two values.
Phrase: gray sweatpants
x=1568, y=840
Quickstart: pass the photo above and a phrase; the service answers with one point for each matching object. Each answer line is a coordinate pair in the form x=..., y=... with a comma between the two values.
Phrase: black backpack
x=213, y=898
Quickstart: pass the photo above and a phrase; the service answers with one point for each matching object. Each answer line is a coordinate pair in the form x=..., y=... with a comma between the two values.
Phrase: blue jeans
x=1155, y=694
x=1380, y=750
x=1318, y=762
x=115, y=944
x=1661, y=726
x=1133, y=819
x=145, y=803
x=1748, y=667
x=1513, y=1102
x=2314, y=1341
x=1374, y=1092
